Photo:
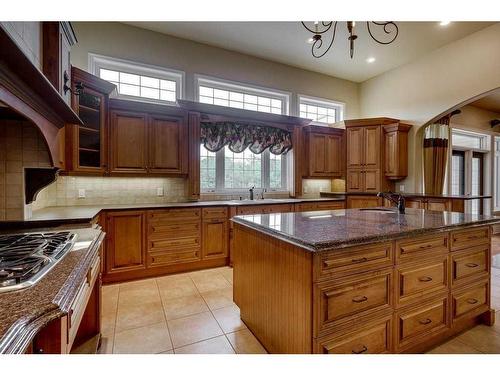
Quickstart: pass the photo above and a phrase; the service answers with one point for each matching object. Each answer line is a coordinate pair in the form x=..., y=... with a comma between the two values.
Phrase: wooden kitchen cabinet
x=125, y=243
x=363, y=201
x=363, y=148
x=363, y=180
x=325, y=151
x=396, y=151
x=215, y=229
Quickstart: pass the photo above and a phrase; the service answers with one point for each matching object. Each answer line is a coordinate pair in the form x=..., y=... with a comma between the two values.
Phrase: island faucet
x=251, y=192
x=398, y=199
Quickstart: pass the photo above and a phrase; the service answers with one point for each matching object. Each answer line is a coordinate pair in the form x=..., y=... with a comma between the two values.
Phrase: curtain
x=436, y=141
x=237, y=136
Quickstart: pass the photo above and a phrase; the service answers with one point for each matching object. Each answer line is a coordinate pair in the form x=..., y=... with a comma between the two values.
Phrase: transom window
x=320, y=110
x=138, y=81
x=229, y=172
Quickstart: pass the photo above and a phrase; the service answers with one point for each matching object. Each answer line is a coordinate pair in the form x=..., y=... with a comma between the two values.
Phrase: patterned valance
x=216, y=135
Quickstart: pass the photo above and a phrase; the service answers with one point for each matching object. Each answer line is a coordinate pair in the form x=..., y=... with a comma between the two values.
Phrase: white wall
x=131, y=43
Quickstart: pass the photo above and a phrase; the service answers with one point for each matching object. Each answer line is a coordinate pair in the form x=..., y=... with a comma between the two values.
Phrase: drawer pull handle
x=425, y=246
x=472, y=301
x=360, y=299
x=425, y=279
x=425, y=321
x=362, y=350
x=472, y=265
x=360, y=260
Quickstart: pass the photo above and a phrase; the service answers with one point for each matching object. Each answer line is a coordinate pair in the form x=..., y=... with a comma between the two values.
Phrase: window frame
x=97, y=62
x=328, y=103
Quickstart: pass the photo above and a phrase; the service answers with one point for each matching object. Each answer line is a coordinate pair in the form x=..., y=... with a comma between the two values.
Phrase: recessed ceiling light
x=444, y=23
x=370, y=60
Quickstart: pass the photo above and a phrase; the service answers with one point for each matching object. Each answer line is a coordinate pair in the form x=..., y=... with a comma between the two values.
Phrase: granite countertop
x=328, y=230
x=24, y=312
x=55, y=216
x=409, y=195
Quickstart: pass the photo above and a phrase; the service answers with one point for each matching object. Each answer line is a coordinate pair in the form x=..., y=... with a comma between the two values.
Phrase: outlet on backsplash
x=81, y=193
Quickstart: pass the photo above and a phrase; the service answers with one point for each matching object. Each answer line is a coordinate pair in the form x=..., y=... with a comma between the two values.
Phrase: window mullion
x=265, y=170
x=219, y=170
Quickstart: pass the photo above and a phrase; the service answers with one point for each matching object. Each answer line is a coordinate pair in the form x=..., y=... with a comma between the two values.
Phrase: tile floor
x=193, y=313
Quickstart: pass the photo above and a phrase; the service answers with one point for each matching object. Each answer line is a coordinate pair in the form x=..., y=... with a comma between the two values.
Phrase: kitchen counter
x=325, y=230
x=25, y=312
x=408, y=195
x=74, y=215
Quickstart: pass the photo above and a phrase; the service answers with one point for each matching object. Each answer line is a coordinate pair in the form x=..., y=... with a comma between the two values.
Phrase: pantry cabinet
x=324, y=152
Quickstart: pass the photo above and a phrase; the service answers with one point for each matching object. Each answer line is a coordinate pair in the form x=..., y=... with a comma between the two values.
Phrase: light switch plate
x=159, y=192
x=401, y=188
x=81, y=193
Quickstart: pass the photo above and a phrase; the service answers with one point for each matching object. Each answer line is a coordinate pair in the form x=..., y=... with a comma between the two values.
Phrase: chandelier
x=323, y=28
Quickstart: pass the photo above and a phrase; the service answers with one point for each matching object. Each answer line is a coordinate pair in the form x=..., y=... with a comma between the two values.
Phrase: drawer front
x=250, y=210
x=344, y=299
x=470, y=264
x=214, y=213
x=408, y=250
x=165, y=258
x=277, y=208
x=420, y=280
x=462, y=239
x=331, y=206
x=422, y=320
x=318, y=206
x=174, y=214
x=358, y=259
x=470, y=299
x=170, y=230
x=374, y=339
x=301, y=207
x=174, y=243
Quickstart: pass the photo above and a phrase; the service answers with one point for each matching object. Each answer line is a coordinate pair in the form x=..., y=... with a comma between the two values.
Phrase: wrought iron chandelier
x=322, y=28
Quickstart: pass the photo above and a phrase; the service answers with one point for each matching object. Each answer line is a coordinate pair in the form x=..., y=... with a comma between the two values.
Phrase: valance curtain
x=237, y=136
x=436, y=141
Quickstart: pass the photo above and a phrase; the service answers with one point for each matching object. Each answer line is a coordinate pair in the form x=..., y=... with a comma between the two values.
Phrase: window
x=320, y=110
x=228, y=172
x=138, y=81
x=497, y=174
x=458, y=173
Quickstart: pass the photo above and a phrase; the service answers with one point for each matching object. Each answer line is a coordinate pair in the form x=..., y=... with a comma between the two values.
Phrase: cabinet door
x=128, y=142
x=334, y=155
x=125, y=241
x=317, y=157
x=371, y=146
x=215, y=238
x=371, y=179
x=437, y=204
x=361, y=201
x=413, y=203
x=354, y=180
x=168, y=149
x=391, y=154
x=354, y=147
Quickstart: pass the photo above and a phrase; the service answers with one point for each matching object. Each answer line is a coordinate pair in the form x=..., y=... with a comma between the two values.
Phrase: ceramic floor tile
x=228, y=274
x=482, y=338
x=145, y=340
x=106, y=344
x=108, y=322
x=229, y=319
x=208, y=282
x=139, y=295
x=167, y=352
x=217, y=345
x=110, y=299
x=139, y=284
x=193, y=328
x=218, y=298
x=454, y=346
x=244, y=342
x=183, y=306
x=176, y=287
x=134, y=316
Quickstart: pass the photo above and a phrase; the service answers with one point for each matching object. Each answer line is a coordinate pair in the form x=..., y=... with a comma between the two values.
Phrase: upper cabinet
x=58, y=37
x=377, y=153
x=324, y=148
x=148, y=139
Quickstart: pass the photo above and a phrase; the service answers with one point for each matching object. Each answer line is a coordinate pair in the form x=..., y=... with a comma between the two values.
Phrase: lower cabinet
x=363, y=201
x=215, y=233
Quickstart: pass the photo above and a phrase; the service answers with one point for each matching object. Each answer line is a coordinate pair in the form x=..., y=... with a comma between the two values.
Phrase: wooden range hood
x=25, y=89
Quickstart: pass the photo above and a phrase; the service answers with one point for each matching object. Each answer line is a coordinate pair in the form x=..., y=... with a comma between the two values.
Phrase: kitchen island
x=362, y=280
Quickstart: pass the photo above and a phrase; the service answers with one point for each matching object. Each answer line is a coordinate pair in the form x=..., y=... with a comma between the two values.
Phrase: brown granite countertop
x=328, y=230
x=24, y=312
x=64, y=215
x=408, y=195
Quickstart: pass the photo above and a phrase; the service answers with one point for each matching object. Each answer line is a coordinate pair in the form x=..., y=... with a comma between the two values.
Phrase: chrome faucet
x=398, y=199
x=262, y=193
x=251, y=192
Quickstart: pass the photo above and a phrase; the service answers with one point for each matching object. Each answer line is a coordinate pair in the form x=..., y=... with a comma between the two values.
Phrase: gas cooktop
x=26, y=258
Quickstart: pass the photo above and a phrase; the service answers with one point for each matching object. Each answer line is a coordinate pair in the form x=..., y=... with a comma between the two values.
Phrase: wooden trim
x=194, y=135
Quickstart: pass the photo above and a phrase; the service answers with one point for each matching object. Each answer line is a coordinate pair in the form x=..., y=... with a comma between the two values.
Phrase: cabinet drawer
x=462, y=239
x=407, y=250
x=358, y=259
x=170, y=230
x=174, y=214
x=421, y=321
x=374, y=339
x=422, y=279
x=318, y=206
x=345, y=298
x=277, y=208
x=470, y=299
x=250, y=210
x=214, y=213
x=164, y=258
x=174, y=243
x=470, y=264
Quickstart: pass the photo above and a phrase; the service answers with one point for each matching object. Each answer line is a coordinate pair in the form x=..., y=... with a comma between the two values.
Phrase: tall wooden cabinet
x=324, y=148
